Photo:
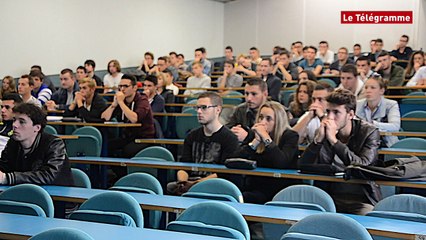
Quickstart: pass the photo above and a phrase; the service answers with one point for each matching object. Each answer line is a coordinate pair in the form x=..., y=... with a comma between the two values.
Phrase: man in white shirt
x=25, y=87
x=325, y=54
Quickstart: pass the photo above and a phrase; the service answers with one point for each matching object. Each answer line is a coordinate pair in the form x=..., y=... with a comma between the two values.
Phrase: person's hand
x=327, y=71
x=320, y=132
x=51, y=105
x=260, y=129
x=331, y=131
x=316, y=110
x=79, y=98
x=184, y=186
x=239, y=68
x=119, y=96
x=416, y=66
x=379, y=66
x=147, y=92
x=240, y=132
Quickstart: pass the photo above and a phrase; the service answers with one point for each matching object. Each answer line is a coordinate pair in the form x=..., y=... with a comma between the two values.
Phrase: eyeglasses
x=123, y=86
x=203, y=107
x=6, y=106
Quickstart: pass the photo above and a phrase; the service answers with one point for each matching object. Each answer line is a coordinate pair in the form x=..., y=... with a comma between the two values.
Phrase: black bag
x=396, y=169
x=321, y=169
x=240, y=163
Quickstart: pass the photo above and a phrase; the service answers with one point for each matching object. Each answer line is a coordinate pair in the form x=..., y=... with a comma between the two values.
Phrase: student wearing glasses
x=274, y=145
x=129, y=106
x=210, y=143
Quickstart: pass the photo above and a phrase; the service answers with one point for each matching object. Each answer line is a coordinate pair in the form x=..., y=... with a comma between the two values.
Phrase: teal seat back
x=409, y=143
x=80, y=178
x=297, y=196
x=212, y=214
x=216, y=189
x=193, y=101
x=328, y=81
x=85, y=145
x=285, y=97
x=144, y=183
x=402, y=206
x=185, y=124
x=331, y=225
x=89, y=130
x=31, y=194
x=154, y=152
x=237, y=98
x=50, y=129
x=62, y=233
x=110, y=207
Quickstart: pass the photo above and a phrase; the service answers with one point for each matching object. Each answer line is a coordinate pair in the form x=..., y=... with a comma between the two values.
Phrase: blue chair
x=85, y=145
x=328, y=81
x=144, y=183
x=414, y=101
x=414, y=126
x=212, y=218
x=185, y=124
x=215, y=189
x=327, y=226
x=89, y=130
x=233, y=101
x=111, y=207
x=193, y=101
x=63, y=234
x=297, y=196
x=51, y=130
x=285, y=97
x=80, y=178
x=28, y=199
x=409, y=143
x=154, y=153
x=408, y=207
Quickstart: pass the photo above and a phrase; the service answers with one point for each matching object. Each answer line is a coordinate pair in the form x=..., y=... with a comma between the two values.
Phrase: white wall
x=266, y=23
x=64, y=33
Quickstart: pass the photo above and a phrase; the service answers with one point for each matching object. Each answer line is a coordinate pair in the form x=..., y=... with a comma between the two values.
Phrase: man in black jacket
x=32, y=156
x=341, y=141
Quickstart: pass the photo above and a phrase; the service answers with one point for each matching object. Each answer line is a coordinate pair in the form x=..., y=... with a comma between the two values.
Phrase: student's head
x=348, y=78
x=197, y=68
x=320, y=93
x=168, y=77
x=229, y=66
x=8, y=102
x=298, y=45
x=173, y=58
x=161, y=82
x=25, y=85
x=90, y=65
x=36, y=67
x=114, y=67
x=284, y=58
x=403, y=41
x=273, y=116
x=374, y=88
x=150, y=85
x=323, y=47
x=416, y=59
x=181, y=58
x=29, y=120
x=256, y=93
x=128, y=85
x=254, y=53
x=341, y=107
x=363, y=64
x=385, y=60
x=199, y=54
x=229, y=52
x=162, y=63
x=265, y=66
x=149, y=58
x=80, y=73
x=67, y=79
x=306, y=75
x=37, y=77
x=87, y=87
x=304, y=92
x=357, y=49
x=379, y=44
x=311, y=52
x=9, y=84
x=209, y=106
x=342, y=54
x=373, y=45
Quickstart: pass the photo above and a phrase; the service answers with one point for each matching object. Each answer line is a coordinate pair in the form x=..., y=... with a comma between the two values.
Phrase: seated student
x=25, y=88
x=62, y=98
x=40, y=90
x=199, y=80
x=90, y=66
x=168, y=80
x=255, y=55
x=372, y=54
x=32, y=156
x=378, y=110
x=306, y=75
x=402, y=51
x=310, y=121
x=296, y=52
x=302, y=101
x=363, y=68
x=342, y=140
x=274, y=145
x=284, y=69
x=417, y=60
x=7, y=104
x=8, y=86
x=229, y=79
x=357, y=53
x=199, y=56
x=310, y=62
x=419, y=79
x=88, y=104
x=245, y=67
x=229, y=56
x=349, y=81
x=210, y=143
x=273, y=82
x=324, y=53
x=390, y=72
x=163, y=64
x=129, y=106
x=147, y=64
x=342, y=59
x=46, y=79
x=167, y=94
x=80, y=73
x=150, y=90
x=113, y=77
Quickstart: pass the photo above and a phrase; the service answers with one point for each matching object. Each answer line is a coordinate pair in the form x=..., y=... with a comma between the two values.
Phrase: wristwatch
x=267, y=142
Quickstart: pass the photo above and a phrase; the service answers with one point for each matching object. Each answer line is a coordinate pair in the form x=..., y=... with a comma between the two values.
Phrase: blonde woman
x=274, y=145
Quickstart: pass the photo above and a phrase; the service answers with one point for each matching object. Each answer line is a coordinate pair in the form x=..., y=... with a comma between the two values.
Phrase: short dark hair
x=81, y=68
x=67, y=70
x=130, y=77
x=201, y=49
x=285, y=52
x=30, y=80
x=35, y=113
x=152, y=78
x=214, y=97
x=230, y=62
x=149, y=54
x=405, y=36
x=90, y=62
x=357, y=45
x=229, y=48
x=323, y=86
x=173, y=53
x=379, y=40
x=181, y=55
x=349, y=68
x=254, y=48
x=36, y=67
x=258, y=82
x=363, y=58
x=312, y=47
x=12, y=96
x=383, y=53
x=167, y=71
x=164, y=58
x=36, y=73
x=298, y=42
x=323, y=42
x=343, y=97
x=305, y=48
x=311, y=75
x=269, y=60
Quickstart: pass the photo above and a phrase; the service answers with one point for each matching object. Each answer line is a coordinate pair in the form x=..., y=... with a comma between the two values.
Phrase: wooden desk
x=174, y=114
x=392, y=151
x=161, y=141
x=413, y=119
x=67, y=137
x=405, y=96
x=406, y=87
x=106, y=124
x=191, y=105
x=15, y=226
x=404, y=134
